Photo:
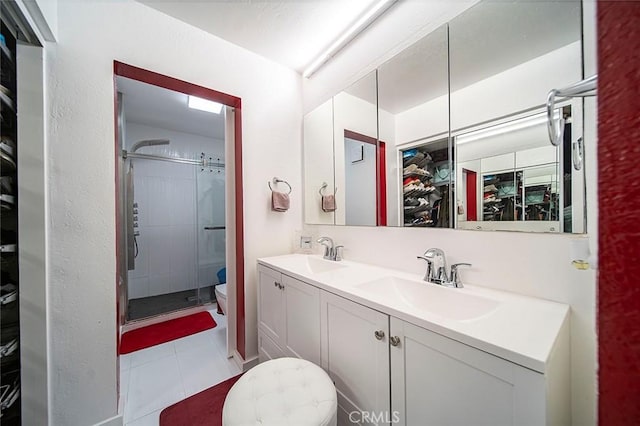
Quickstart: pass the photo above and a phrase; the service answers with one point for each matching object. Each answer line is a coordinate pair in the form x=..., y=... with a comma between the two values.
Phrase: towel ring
x=324, y=186
x=276, y=181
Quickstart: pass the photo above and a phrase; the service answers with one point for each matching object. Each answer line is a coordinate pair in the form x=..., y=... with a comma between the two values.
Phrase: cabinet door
x=356, y=360
x=439, y=381
x=270, y=304
x=302, y=321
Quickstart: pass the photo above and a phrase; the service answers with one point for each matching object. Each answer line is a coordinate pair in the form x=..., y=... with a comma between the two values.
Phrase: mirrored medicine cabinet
x=452, y=131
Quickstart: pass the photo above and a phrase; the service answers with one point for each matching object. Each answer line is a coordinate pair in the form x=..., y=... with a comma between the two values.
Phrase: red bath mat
x=163, y=332
x=201, y=409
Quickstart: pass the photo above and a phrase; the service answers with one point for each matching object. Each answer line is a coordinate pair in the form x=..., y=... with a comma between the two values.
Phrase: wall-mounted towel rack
x=586, y=87
x=276, y=181
x=323, y=187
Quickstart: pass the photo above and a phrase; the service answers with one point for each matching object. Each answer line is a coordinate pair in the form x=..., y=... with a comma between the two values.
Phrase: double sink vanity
x=412, y=352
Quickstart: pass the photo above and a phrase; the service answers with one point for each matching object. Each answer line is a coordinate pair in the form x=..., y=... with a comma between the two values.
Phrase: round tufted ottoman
x=280, y=392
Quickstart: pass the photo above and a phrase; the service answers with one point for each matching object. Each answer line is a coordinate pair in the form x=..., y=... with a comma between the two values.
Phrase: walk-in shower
x=168, y=230
x=172, y=244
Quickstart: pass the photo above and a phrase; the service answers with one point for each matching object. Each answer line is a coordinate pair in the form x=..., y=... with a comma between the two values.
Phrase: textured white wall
x=81, y=176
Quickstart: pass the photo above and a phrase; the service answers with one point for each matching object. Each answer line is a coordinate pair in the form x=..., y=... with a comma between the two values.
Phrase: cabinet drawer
x=267, y=348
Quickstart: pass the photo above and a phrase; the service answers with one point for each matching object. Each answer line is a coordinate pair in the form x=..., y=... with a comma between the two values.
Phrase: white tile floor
x=155, y=378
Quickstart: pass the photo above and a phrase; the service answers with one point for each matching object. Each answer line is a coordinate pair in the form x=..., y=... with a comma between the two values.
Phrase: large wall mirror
x=504, y=58
x=344, y=182
x=413, y=111
x=459, y=138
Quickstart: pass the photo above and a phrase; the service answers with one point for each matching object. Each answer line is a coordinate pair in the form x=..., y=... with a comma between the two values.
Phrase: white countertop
x=520, y=329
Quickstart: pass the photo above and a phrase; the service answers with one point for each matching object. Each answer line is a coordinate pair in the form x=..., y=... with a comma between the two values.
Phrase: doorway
x=179, y=221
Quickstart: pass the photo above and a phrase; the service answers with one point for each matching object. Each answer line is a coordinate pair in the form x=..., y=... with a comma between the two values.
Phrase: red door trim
x=150, y=77
x=382, y=183
x=471, y=181
x=618, y=287
x=381, y=173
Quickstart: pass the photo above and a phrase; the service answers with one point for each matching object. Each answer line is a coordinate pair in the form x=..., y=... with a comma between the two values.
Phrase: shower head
x=149, y=142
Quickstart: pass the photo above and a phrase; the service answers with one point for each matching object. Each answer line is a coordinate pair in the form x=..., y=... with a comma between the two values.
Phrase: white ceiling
x=290, y=32
x=158, y=107
x=488, y=38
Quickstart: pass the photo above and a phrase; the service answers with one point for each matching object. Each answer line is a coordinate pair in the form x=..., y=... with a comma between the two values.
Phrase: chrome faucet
x=331, y=252
x=437, y=269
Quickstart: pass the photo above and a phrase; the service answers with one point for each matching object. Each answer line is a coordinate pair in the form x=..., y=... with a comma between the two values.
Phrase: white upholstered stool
x=281, y=392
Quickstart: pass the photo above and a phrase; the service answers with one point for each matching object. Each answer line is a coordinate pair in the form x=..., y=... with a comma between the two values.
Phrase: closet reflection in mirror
x=508, y=178
x=504, y=59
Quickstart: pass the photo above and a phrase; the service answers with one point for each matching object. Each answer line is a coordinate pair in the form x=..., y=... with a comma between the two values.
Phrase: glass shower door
x=162, y=277
x=211, y=253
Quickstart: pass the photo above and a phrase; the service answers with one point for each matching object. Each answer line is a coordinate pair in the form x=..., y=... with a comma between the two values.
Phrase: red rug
x=201, y=409
x=163, y=332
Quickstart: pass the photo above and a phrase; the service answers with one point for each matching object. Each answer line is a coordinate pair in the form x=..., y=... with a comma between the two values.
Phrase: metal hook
x=578, y=154
x=275, y=181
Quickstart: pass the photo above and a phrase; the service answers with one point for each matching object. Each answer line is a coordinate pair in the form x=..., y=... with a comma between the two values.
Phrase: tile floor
x=154, y=378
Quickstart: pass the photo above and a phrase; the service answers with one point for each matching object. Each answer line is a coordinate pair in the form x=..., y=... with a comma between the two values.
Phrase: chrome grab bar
x=586, y=87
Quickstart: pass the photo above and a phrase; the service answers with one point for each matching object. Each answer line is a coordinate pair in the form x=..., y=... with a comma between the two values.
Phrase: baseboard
x=244, y=364
x=113, y=421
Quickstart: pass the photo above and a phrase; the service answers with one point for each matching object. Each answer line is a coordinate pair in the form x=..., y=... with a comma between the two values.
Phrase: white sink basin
x=316, y=265
x=451, y=303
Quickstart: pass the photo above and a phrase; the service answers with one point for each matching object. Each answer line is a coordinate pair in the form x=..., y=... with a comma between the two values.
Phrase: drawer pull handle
x=379, y=334
x=394, y=340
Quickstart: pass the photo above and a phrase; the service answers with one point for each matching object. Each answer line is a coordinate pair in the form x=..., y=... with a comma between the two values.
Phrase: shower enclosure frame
x=235, y=269
x=130, y=222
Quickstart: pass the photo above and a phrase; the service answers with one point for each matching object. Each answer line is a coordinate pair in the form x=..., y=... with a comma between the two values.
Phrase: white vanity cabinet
x=390, y=370
x=439, y=381
x=355, y=353
x=288, y=317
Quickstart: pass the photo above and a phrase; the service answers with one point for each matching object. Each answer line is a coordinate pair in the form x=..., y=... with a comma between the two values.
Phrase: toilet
x=221, y=297
x=283, y=391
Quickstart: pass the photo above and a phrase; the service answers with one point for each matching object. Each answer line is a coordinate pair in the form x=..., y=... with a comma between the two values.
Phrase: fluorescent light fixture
x=370, y=15
x=500, y=129
x=204, y=105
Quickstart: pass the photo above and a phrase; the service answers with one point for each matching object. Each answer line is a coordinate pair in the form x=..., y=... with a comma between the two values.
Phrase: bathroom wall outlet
x=305, y=242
